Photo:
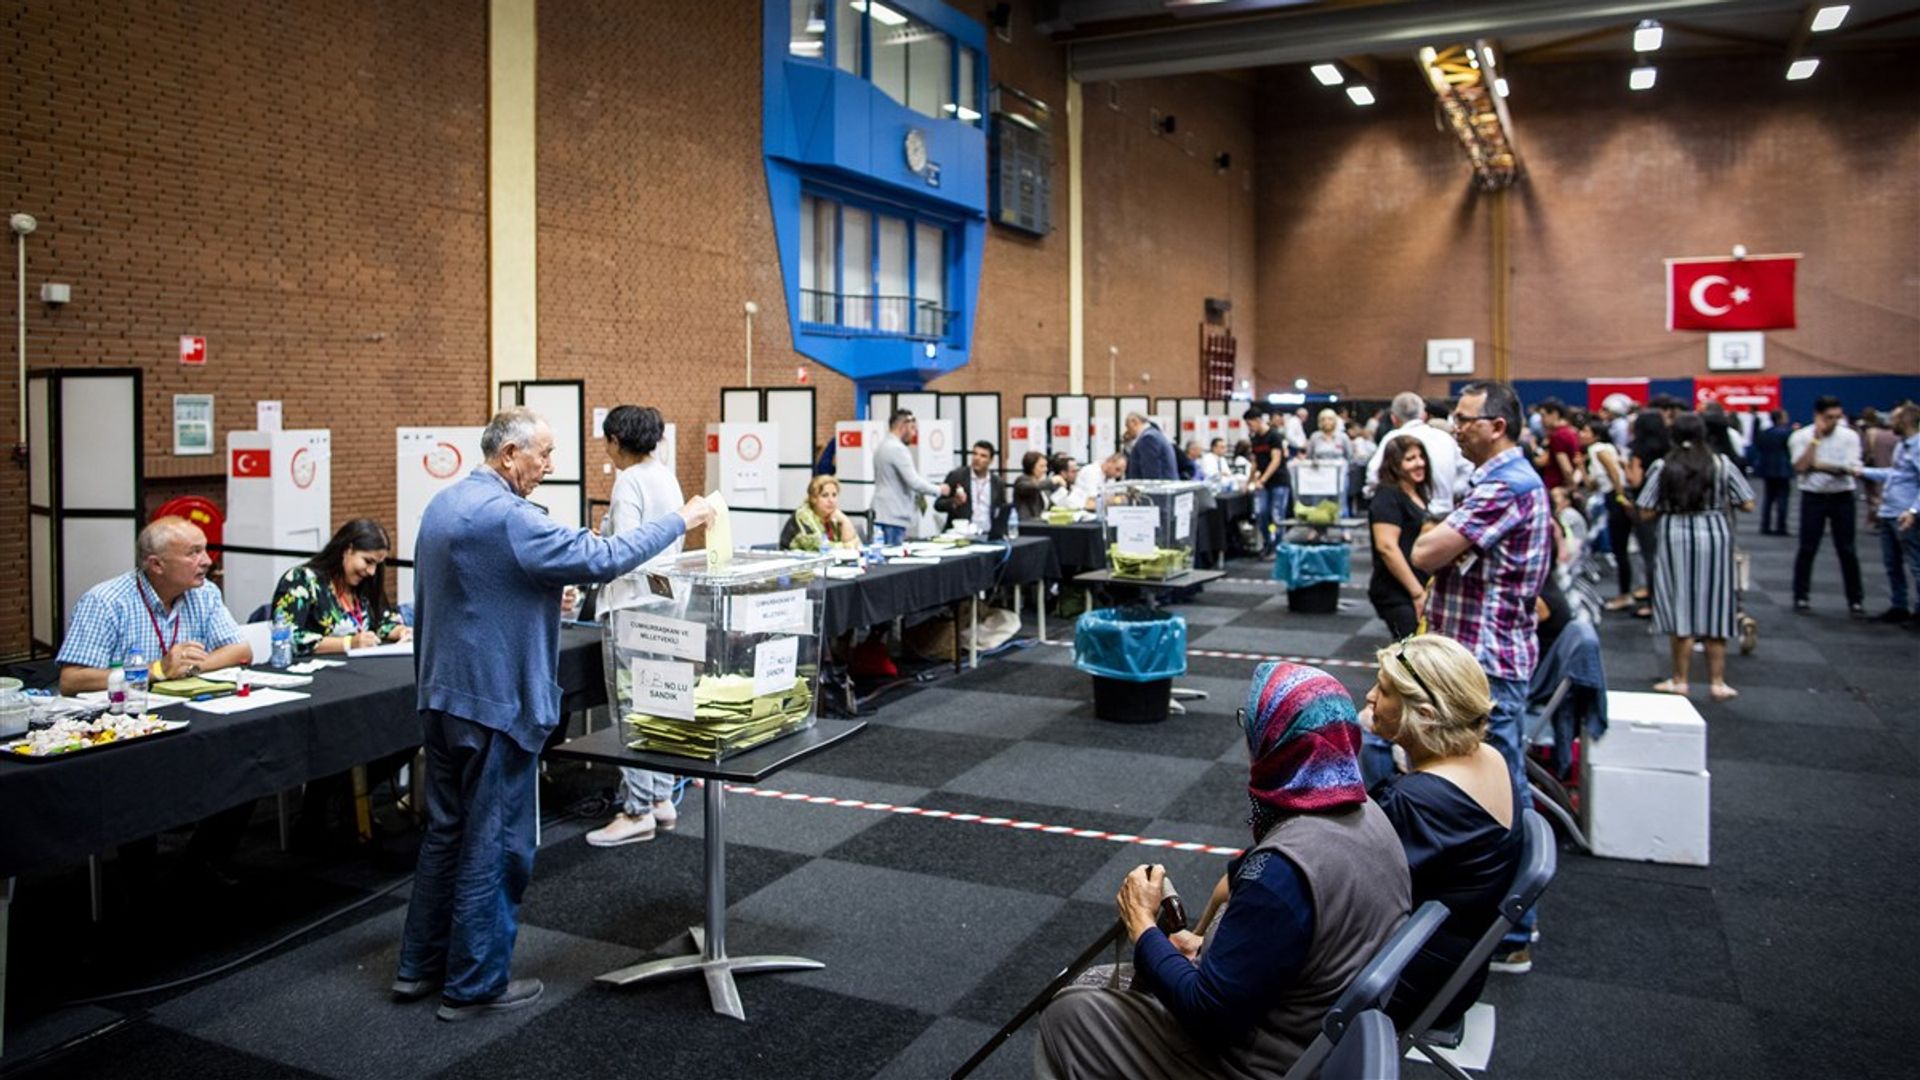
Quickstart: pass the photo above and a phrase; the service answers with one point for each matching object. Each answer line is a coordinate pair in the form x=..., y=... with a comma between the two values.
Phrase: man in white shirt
x=1826, y=458
x=974, y=491
x=1213, y=462
x=1079, y=486
x=1447, y=470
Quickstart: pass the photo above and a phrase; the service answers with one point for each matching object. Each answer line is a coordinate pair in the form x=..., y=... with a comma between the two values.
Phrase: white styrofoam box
x=1651, y=731
x=1653, y=815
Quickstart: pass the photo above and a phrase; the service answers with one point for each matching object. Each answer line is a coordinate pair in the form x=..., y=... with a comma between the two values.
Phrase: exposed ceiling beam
x=1301, y=37
x=1571, y=41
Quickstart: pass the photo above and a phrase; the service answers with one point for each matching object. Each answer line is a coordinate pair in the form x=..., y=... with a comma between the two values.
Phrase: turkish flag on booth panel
x=252, y=463
x=1731, y=294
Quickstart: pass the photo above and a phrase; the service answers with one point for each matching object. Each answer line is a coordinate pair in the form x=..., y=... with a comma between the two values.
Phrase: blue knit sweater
x=489, y=567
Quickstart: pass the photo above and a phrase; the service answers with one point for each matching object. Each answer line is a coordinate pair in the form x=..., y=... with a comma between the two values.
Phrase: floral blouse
x=308, y=602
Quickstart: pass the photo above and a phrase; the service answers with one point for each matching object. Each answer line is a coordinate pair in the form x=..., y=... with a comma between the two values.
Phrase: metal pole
x=715, y=946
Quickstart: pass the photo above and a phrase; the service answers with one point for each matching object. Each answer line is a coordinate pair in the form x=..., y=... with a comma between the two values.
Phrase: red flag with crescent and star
x=252, y=463
x=1755, y=293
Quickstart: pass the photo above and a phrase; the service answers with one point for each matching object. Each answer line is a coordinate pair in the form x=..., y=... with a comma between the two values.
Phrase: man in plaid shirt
x=1489, y=561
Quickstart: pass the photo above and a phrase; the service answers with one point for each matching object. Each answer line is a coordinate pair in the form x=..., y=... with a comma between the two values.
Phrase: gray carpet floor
x=1789, y=957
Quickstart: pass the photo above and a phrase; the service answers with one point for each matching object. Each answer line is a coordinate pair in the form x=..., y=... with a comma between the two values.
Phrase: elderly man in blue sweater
x=488, y=578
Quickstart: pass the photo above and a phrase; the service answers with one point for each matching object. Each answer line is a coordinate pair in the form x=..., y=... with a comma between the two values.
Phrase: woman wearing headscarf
x=1294, y=919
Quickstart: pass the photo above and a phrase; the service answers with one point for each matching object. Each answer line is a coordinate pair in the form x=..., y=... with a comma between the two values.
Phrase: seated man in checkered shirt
x=164, y=607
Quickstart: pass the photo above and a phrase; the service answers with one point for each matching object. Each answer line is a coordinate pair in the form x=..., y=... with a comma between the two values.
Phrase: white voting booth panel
x=1068, y=435
x=932, y=456
x=742, y=467
x=280, y=496
x=855, y=444
x=84, y=493
x=1645, y=783
x=1100, y=440
x=427, y=460
x=1024, y=433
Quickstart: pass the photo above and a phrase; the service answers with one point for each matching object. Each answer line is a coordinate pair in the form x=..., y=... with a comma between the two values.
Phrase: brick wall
x=302, y=184
x=1370, y=240
x=1166, y=228
x=307, y=188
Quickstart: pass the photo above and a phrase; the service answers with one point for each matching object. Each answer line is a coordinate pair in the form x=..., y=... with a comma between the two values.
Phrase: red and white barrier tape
x=981, y=819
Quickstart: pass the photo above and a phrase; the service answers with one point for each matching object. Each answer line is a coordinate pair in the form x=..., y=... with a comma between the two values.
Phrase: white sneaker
x=623, y=829
x=666, y=815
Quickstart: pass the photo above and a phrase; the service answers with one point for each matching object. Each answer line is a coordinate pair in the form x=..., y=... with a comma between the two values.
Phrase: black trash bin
x=1133, y=655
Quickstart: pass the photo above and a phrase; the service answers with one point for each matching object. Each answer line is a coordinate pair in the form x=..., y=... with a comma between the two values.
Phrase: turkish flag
x=1731, y=294
x=252, y=463
x=1738, y=393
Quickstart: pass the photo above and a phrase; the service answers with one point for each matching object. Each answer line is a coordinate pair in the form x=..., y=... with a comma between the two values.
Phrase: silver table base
x=712, y=961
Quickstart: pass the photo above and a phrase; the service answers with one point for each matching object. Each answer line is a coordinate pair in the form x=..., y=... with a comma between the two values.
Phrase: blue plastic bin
x=1133, y=654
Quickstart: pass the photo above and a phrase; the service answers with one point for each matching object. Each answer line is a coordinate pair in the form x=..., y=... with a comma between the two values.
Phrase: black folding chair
x=1369, y=1052
x=1539, y=859
x=1371, y=988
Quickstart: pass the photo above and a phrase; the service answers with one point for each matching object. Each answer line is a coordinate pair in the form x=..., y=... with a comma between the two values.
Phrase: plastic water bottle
x=136, y=677
x=116, y=690
x=282, y=654
x=1013, y=523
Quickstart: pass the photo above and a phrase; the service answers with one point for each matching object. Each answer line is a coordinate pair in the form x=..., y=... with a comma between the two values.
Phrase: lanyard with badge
x=166, y=644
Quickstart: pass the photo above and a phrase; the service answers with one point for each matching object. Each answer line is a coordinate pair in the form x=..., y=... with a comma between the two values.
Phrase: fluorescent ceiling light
x=1500, y=86
x=1328, y=74
x=1646, y=36
x=962, y=112
x=1299, y=384
x=806, y=48
x=1273, y=399
x=1829, y=18
x=1642, y=78
x=1359, y=94
x=1801, y=69
x=1486, y=53
x=881, y=12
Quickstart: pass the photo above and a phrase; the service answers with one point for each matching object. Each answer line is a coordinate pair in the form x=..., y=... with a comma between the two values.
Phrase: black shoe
x=1893, y=615
x=406, y=991
x=518, y=994
x=1802, y=607
x=1912, y=624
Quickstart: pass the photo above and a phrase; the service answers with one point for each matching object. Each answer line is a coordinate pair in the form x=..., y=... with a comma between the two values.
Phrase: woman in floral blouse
x=337, y=600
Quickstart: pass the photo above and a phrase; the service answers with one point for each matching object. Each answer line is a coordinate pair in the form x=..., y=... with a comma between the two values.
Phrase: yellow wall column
x=512, y=327
x=1076, y=236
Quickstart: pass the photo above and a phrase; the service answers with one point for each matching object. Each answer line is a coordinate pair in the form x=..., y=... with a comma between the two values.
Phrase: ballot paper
x=275, y=679
x=392, y=648
x=719, y=535
x=257, y=699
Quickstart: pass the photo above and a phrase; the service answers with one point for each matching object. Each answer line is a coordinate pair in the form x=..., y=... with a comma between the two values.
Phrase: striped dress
x=1693, y=571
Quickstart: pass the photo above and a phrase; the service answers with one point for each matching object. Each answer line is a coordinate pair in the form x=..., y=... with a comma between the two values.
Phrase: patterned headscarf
x=1304, y=743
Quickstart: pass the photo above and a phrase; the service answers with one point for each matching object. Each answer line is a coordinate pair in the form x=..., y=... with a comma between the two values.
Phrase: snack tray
x=167, y=727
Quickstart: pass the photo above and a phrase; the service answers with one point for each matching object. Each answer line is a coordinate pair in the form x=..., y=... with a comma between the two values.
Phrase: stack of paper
x=728, y=718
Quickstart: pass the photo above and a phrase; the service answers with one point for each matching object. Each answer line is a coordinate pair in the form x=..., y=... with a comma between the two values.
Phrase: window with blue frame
x=908, y=60
x=869, y=270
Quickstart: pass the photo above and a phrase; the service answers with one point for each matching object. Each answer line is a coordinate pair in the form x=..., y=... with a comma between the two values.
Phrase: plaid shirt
x=113, y=617
x=1485, y=601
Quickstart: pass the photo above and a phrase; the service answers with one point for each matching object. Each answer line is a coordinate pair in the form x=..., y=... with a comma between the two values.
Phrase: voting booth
x=933, y=458
x=86, y=495
x=855, y=444
x=1024, y=433
x=1067, y=435
x=427, y=460
x=1101, y=442
x=743, y=468
x=279, y=496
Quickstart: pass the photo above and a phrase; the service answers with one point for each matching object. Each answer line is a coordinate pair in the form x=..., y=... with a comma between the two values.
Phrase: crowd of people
x=1476, y=520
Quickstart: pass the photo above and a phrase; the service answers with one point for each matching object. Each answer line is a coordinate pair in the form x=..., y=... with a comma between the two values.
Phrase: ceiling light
x=1829, y=18
x=881, y=12
x=1359, y=94
x=1642, y=78
x=1486, y=53
x=1299, y=384
x=1328, y=74
x=1273, y=399
x=1500, y=86
x=1646, y=36
x=1802, y=69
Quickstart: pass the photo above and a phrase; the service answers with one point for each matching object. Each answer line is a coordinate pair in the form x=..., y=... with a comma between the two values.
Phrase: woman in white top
x=1329, y=443
x=644, y=491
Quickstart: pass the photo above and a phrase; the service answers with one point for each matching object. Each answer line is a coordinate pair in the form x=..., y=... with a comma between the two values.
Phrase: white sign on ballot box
x=426, y=461
x=279, y=496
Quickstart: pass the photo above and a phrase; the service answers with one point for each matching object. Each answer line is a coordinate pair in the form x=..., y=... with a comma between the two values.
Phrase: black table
x=885, y=593
x=64, y=811
x=609, y=747
x=1234, y=506
x=1080, y=546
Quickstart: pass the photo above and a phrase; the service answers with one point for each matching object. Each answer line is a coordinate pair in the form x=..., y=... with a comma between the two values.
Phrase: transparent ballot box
x=1148, y=526
x=705, y=663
